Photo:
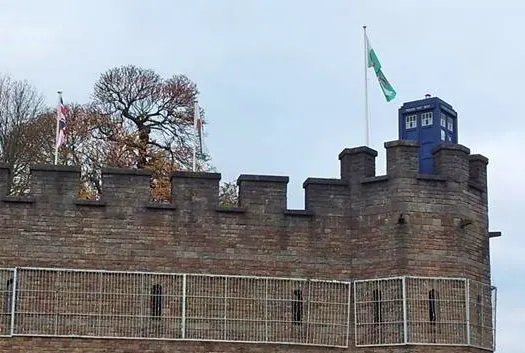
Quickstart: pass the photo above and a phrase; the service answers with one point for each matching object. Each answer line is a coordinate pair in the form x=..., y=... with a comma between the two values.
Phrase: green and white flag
x=373, y=61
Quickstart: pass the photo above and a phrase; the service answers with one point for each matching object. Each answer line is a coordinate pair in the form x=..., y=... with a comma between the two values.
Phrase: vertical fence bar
x=101, y=299
x=142, y=304
x=308, y=308
x=266, y=310
x=405, y=311
x=14, y=297
x=349, y=308
x=67, y=294
x=183, y=319
x=55, y=297
x=467, y=308
x=480, y=288
x=355, y=314
x=492, y=288
x=225, y=307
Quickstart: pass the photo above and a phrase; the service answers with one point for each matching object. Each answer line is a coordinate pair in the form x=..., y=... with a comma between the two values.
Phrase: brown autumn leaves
x=135, y=119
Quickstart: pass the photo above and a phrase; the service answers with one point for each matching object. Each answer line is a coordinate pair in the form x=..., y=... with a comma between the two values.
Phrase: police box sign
x=422, y=107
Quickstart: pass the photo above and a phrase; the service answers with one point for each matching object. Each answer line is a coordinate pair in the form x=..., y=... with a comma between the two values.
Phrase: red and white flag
x=61, y=122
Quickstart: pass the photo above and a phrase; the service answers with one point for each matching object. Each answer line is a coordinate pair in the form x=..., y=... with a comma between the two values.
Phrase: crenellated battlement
x=387, y=234
x=130, y=189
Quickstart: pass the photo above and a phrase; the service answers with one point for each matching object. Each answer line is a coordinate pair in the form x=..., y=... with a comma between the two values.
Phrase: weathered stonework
x=358, y=226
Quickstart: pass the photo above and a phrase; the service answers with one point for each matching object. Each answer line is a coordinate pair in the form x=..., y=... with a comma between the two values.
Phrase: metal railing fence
x=173, y=306
x=424, y=311
x=178, y=306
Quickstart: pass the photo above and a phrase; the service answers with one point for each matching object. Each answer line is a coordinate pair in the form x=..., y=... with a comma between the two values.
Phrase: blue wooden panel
x=412, y=134
x=426, y=165
x=425, y=157
x=427, y=134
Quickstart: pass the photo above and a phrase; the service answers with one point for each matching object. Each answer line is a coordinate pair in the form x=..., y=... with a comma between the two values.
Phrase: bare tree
x=25, y=139
x=146, y=121
x=151, y=113
x=89, y=146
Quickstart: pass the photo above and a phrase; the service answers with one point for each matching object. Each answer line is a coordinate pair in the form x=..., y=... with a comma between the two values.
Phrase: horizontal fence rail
x=140, y=305
x=424, y=311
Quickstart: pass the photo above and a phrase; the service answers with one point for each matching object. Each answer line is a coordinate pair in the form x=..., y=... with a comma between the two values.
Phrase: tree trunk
x=143, y=146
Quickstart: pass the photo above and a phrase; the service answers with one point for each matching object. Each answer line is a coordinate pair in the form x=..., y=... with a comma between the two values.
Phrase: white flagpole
x=195, y=114
x=57, y=128
x=367, y=117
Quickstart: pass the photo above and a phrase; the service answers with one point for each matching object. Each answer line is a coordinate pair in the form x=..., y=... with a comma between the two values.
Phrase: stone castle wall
x=358, y=226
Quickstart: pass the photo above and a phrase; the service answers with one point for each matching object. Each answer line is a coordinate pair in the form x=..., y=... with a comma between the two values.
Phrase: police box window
x=426, y=119
x=450, y=124
x=443, y=120
x=411, y=121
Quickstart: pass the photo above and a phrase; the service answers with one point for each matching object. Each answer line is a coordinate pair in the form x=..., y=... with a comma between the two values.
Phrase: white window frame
x=443, y=120
x=411, y=121
x=443, y=135
x=450, y=124
x=426, y=119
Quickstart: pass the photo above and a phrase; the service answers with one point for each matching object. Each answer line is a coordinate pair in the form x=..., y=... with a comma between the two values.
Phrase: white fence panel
x=134, y=305
x=7, y=291
x=437, y=311
x=404, y=310
x=98, y=304
x=379, y=312
x=482, y=315
x=424, y=311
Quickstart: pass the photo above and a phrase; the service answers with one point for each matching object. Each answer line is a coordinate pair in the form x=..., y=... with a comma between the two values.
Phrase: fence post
x=349, y=308
x=14, y=298
x=494, y=302
x=405, y=315
x=225, y=322
x=183, y=323
x=355, y=313
x=266, y=310
x=467, y=307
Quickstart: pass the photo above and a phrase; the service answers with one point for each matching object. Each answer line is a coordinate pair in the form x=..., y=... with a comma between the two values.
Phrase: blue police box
x=429, y=121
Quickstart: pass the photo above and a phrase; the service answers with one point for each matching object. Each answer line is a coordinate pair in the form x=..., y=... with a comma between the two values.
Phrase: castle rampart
x=360, y=226
x=360, y=222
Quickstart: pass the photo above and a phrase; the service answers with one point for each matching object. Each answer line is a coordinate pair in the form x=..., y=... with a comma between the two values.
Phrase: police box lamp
x=429, y=121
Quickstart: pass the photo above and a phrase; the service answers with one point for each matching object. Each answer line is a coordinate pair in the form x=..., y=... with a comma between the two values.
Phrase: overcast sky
x=282, y=84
